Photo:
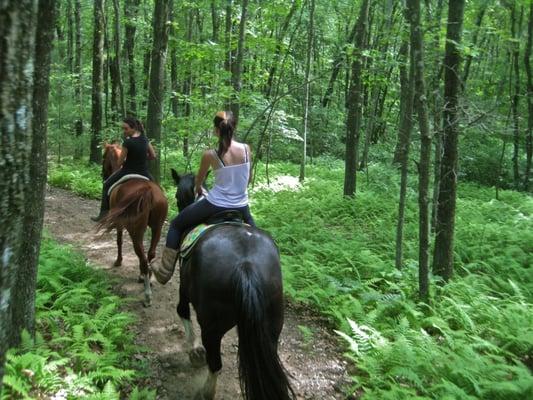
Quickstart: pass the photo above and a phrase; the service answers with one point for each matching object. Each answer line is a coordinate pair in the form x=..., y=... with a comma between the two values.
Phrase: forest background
x=409, y=125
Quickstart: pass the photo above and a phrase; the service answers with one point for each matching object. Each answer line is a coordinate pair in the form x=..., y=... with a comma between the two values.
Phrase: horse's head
x=185, y=189
x=110, y=159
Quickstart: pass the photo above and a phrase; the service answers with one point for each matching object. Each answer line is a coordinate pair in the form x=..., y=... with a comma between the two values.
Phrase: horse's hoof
x=197, y=357
x=117, y=263
x=147, y=303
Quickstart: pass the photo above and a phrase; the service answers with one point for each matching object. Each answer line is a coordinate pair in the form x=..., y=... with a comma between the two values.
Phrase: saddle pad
x=124, y=179
x=191, y=238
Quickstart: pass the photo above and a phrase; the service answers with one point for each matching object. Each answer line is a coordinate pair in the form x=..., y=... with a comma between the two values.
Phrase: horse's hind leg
x=196, y=352
x=143, y=266
x=211, y=341
x=118, y=261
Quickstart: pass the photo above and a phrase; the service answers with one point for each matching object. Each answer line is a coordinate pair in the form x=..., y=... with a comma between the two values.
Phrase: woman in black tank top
x=136, y=151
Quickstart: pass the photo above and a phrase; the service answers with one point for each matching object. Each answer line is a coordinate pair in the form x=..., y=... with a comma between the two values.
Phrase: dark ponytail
x=134, y=123
x=225, y=122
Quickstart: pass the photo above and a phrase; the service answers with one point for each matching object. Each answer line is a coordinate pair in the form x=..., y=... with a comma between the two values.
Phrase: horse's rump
x=130, y=202
x=233, y=277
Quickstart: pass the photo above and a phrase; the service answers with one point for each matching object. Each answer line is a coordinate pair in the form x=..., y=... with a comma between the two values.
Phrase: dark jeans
x=195, y=214
x=114, y=178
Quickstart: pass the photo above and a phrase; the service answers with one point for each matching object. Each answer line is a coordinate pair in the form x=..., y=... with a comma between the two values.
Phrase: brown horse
x=136, y=205
x=111, y=157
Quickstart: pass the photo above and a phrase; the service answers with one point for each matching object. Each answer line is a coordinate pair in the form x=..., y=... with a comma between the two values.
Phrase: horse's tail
x=261, y=372
x=128, y=209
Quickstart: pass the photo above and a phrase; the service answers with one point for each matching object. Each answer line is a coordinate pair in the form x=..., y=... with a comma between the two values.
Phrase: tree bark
x=353, y=124
x=157, y=76
x=437, y=112
x=420, y=103
x=227, y=39
x=215, y=20
x=516, y=97
x=527, y=62
x=279, y=44
x=98, y=67
x=17, y=22
x=407, y=81
x=468, y=61
x=23, y=311
x=310, y=38
x=187, y=85
x=236, y=76
x=120, y=86
x=337, y=65
x=131, y=10
x=78, y=152
x=443, y=253
x=70, y=37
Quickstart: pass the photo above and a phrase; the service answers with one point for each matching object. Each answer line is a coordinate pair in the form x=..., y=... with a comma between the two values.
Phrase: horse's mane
x=112, y=152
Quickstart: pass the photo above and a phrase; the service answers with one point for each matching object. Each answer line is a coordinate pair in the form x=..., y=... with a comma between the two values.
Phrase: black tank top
x=137, y=158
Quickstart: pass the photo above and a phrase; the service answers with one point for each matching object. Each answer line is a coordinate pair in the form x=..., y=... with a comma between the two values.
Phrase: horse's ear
x=175, y=176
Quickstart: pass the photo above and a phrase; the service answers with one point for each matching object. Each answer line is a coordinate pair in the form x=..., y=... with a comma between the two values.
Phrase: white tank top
x=231, y=183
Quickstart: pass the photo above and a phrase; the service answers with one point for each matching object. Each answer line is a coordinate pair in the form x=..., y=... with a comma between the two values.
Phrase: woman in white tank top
x=231, y=164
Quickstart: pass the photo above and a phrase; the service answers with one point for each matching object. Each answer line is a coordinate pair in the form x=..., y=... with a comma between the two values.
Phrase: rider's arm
x=151, y=152
x=205, y=163
x=251, y=164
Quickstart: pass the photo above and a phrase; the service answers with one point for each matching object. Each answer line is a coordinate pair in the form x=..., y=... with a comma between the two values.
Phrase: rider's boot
x=163, y=271
x=104, y=208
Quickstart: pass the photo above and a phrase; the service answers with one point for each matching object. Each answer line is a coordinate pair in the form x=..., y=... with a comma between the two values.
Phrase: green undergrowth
x=83, y=347
x=474, y=340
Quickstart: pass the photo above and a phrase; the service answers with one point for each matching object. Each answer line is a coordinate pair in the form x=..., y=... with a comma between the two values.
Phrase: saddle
x=124, y=179
x=191, y=237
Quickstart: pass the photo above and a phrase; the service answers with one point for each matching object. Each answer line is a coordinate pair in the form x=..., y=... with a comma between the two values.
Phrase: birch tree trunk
x=17, y=22
x=23, y=311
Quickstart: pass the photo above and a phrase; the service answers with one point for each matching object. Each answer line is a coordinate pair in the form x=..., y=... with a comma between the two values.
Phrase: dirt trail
x=313, y=361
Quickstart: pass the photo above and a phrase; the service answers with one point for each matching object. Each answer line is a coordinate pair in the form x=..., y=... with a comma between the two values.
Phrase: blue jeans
x=196, y=213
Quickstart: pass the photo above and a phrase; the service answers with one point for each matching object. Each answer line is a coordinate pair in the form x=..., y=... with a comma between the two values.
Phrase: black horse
x=233, y=277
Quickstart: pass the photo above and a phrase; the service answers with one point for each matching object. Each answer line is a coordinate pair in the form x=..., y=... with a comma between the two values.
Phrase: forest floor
x=308, y=349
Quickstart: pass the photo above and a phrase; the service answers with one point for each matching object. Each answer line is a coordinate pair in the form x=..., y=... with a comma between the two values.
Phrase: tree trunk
x=407, y=89
x=468, y=62
x=279, y=44
x=121, y=103
x=131, y=10
x=437, y=113
x=527, y=62
x=157, y=76
x=78, y=152
x=23, y=310
x=98, y=67
x=17, y=22
x=353, y=124
x=516, y=98
x=443, y=253
x=236, y=77
x=337, y=65
x=215, y=20
x=310, y=39
x=70, y=38
x=417, y=47
x=187, y=85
